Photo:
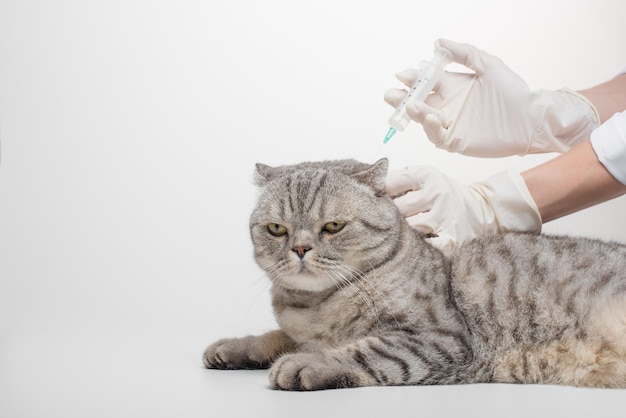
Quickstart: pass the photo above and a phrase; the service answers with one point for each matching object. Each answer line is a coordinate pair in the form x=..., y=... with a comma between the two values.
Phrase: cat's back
x=533, y=303
x=539, y=257
x=532, y=286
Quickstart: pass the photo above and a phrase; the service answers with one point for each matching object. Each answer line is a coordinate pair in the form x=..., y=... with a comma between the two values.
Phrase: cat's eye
x=334, y=227
x=276, y=229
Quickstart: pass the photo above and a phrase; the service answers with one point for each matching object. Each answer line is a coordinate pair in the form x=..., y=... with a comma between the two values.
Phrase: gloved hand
x=493, y=112
x=433, y=203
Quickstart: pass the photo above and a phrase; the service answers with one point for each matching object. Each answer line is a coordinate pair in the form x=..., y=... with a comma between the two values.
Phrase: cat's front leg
x=316, y=371
x=252, y=352
x=398, y=359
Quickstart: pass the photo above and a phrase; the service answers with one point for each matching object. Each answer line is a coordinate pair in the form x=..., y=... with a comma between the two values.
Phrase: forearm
x=608, y=97
x=572, y=181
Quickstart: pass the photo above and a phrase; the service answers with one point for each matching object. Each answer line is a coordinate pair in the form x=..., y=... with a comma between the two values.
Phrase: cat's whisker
x=263, y=285
x=347, y=274
x=275, y=273
x=372, y=288
x=349, y=284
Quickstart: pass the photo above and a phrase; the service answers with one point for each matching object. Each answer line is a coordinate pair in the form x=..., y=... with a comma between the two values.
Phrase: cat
x=362, y=299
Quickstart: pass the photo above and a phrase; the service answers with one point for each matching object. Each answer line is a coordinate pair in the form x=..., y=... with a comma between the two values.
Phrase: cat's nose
x=300, y=250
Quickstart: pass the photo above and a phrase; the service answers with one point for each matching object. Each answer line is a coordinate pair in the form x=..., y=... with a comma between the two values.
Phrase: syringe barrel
x=429, y=75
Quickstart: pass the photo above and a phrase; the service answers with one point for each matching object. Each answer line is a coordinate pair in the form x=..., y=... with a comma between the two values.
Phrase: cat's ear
x=263, y=174
x=374, y=176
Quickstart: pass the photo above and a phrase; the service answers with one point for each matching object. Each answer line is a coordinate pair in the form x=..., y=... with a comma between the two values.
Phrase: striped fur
x=361, y=299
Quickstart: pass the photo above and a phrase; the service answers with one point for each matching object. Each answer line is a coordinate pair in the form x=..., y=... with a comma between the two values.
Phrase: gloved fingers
x=465, y=54
x=445, y=236
x=417, y=112
x=434, y=130
x=414, y=203
x=431, y=119
x=408, y=76
x=452, y=87
x=431, y=223
x=399, y=182
x=422, y=223
x=444, y=242
x=394, y=97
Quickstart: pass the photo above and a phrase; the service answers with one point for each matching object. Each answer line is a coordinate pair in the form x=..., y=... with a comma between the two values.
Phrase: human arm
x=455, y=213
x=590, y=173
x=608, y=97
x=576, y=179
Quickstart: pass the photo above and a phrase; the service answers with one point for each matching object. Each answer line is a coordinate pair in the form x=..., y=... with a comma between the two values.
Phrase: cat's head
x=319, y=225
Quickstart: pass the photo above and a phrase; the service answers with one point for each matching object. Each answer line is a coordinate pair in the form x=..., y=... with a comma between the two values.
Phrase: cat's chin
x=307, y=281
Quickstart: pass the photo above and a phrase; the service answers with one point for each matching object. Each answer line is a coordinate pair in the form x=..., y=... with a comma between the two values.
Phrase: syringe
x=429, y=74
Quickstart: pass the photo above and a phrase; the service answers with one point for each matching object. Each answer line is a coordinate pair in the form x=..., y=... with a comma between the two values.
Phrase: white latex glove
x=493, y=112
x=433, y=203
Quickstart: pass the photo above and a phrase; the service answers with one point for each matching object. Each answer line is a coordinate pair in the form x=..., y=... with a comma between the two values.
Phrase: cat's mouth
x=307, y=281
x=304, y=277
x=304, y=270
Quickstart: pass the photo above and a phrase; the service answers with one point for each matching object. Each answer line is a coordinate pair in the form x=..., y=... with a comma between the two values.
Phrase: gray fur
x=373, y=303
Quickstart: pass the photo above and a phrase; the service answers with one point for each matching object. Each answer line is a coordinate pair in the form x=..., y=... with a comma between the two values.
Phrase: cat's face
x=321, y=225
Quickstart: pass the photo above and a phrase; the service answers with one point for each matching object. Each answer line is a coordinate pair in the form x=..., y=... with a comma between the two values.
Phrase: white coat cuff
x=609, y=144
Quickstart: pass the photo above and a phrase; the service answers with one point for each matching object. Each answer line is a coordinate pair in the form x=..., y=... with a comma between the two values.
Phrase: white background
x=129, y=131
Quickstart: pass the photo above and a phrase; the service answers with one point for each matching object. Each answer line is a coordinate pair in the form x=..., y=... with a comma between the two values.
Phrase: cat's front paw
x=307, y=371
x=235, y=353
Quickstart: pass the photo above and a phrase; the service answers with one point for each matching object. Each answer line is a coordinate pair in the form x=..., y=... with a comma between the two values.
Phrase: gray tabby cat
x=362, y=299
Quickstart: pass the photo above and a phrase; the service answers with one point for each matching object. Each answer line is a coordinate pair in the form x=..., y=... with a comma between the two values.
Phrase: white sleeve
x=609, y=143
